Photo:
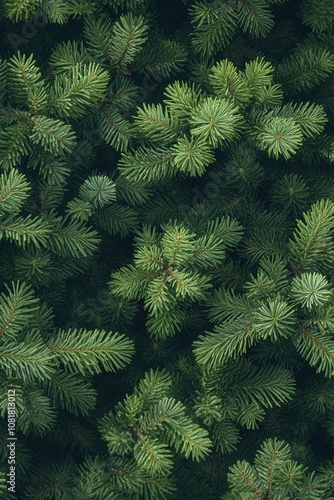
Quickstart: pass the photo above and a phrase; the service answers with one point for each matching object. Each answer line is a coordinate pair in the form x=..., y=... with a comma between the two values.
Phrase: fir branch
x=68, y=391
x=312, y=244
x=85, y=350
x=16, y=309
x=26, y=361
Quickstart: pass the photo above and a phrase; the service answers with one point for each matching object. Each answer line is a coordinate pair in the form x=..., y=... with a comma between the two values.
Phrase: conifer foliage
x=167, y=248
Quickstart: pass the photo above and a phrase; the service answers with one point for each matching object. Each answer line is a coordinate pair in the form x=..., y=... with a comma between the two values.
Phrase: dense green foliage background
x=167, y=252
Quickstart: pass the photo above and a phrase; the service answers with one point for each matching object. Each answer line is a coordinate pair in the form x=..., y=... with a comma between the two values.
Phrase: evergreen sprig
x=165, y=172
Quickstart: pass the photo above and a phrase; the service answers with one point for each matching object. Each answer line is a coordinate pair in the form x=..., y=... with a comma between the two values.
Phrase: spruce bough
x=166, y=227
